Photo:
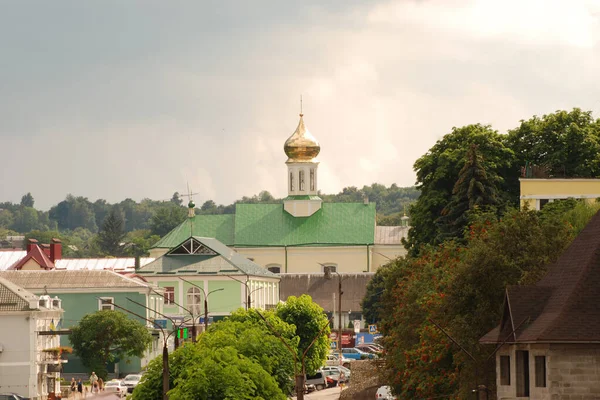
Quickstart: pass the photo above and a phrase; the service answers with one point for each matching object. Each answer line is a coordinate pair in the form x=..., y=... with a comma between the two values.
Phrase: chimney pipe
x=30, y=243
x=55, y=249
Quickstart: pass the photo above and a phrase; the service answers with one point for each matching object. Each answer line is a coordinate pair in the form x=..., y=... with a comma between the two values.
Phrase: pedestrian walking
x=94, y=382
x=80, y=388
x=73, y=388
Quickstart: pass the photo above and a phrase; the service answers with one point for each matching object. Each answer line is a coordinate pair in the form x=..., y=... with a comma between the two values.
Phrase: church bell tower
x=302, y=150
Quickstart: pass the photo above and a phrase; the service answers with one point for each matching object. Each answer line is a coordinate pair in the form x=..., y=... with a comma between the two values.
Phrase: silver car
x=131, y=381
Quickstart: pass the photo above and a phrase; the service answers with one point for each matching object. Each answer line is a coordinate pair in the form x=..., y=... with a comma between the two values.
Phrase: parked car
x=131, y=381
x=356, y=354
x=12, y=396
x=318, y=379
x=384, y=393
x=367, y=348
x=116, y=386
x=338, y=369
x=334, y=359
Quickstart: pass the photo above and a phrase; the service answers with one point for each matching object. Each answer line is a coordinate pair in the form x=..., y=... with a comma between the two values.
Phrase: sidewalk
x=326, y=394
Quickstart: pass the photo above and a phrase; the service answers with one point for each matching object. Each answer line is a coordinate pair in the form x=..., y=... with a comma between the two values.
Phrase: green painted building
x=87, y=291
x=197, y=268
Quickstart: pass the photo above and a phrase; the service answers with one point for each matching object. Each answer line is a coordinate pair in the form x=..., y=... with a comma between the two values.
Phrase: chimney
x=30, y=244
x=55, y=250
x=45, y=248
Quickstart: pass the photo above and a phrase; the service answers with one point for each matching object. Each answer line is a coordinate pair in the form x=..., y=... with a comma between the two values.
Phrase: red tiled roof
x=37, y=254
x=562, y=307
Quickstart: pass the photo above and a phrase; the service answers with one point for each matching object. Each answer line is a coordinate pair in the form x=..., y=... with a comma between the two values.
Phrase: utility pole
x=185, y=309
x=327, y=272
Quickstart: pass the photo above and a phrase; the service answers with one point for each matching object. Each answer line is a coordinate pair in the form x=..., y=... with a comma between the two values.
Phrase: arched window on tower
x=292, y=182
x=301, y=180
x=312, y=179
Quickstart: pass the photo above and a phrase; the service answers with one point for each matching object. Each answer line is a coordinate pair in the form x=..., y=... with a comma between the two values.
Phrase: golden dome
x=301, y=146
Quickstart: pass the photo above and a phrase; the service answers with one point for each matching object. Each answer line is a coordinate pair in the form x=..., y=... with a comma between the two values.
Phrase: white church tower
x=302, y=150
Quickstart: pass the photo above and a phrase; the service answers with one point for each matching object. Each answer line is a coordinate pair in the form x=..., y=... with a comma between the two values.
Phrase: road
x=327, y=394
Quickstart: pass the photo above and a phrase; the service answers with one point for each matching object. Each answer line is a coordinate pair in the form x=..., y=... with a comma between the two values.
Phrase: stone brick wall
x=572, y=372
x=364, y=382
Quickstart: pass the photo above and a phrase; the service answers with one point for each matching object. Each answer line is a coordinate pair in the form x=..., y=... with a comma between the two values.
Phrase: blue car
x=356, y=354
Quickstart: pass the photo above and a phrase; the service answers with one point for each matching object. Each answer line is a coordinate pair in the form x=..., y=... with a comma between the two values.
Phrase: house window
x=505, y=370
x=106, y=303
x=169, y=295
x=301, y=180
x=522, y=373
x=540, y=371
x=329, y=268
x=274, y=268
x=193, y=300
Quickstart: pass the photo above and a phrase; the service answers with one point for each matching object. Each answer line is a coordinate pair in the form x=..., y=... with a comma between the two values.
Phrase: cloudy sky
x=125, y=98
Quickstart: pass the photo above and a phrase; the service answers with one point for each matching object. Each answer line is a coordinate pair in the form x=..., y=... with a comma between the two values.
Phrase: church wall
x=383, y=254
x=306, y=259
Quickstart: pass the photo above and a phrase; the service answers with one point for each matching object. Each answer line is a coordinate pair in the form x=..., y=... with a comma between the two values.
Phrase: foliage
x=462, y=289
x=102, y=337
x=111, y=235
x=166, y=218
x=308, y=318
x=74, y=212
x=567, y=143
x=438, y=171
x=224, y=373
x=27, y=200
x=472, y=191
x=372, y=303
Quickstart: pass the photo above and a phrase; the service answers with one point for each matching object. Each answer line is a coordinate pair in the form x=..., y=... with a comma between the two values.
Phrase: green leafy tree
x=175, y=199
x=566, y=143
x=437, y=173
x=104, y=336
x=166, y=219
x=472, y=191
x=372, y=303
x=224, y=373
x=139, y=242
x=74, y=212
x=6, y=218
x=309, y=318
x=25, y=219
x=27, y=200
x=112, y=233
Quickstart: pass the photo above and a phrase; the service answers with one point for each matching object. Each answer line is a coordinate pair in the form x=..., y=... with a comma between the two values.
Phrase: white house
x=29, y=353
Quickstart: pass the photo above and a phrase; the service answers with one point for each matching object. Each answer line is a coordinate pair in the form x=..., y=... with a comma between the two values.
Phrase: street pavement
x=327, y=394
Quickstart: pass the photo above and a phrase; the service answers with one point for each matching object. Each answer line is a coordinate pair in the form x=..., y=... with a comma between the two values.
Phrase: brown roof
x=13, y=297
x=322, y=290
x=61, y=279
x=562, y=307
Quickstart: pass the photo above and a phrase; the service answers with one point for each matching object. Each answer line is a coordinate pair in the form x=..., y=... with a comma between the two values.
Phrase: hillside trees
x=112, y=233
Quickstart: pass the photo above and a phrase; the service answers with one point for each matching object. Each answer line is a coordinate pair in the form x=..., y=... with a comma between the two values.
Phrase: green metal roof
x=219, y=227
x=333, y=224
x=255, y=225
x=225, y=262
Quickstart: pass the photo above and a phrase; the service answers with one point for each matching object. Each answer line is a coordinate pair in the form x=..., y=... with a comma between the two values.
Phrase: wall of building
x=534, y=190
x=16, y=356
x=572, y=371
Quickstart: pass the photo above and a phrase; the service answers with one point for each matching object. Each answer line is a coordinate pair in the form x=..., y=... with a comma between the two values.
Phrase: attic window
x=193, y=247
x=274, y=268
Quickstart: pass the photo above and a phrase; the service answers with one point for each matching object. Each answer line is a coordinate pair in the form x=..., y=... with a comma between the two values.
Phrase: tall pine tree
x=112, y=233
x=472, y=191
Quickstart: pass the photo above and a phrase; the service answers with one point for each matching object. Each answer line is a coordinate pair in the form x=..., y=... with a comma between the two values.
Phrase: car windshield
x=113, y=383
x=133, y=377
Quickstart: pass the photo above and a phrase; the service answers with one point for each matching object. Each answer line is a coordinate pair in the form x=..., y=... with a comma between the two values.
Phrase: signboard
x=333, y=345
x=356, y=325
x=346, y=339
x=160, y=323
x=201, y=320
x=372, y=328
x=333, y=336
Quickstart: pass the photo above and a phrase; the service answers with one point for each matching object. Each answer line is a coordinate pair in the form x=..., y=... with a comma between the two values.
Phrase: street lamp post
x=205, y=301
x=327, y=271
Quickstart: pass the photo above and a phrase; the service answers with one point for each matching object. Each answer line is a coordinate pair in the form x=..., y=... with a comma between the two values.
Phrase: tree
x=308, y=318
x=25, y=219
x=224, y=373
x=27, y=200
x=175, y=199
x=74, y=212
x=112, y=233
x=566, y=143
x=6, y=218
x=437, y=173
x=104, y=336
x=472, y=190
x=166, y=219
x=372, y=303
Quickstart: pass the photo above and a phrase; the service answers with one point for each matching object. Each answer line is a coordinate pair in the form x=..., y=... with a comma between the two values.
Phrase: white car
x=131, y=381
x=336, y=371
x=333, y=359
x=116, y=386
x=384, y=393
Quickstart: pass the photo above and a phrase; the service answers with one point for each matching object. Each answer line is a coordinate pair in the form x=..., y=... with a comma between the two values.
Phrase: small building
x=30, y=361
x=199, y=269
x=550, y=332
x=535, y=193
x=86, y=291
